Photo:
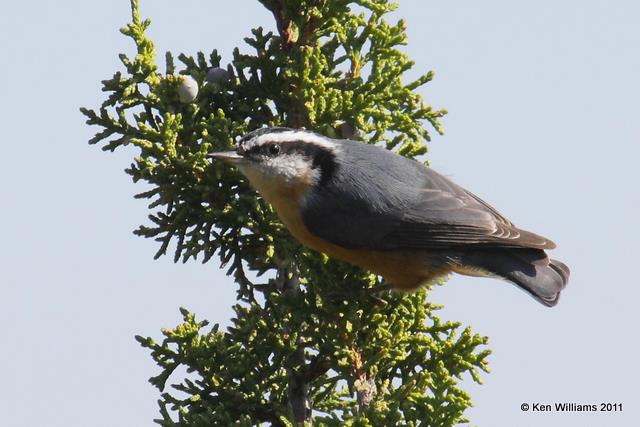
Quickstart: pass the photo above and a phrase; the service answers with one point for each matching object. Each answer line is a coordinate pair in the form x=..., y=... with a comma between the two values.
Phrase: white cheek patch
x=269, y=175
x=276, y=177
x=289, y=169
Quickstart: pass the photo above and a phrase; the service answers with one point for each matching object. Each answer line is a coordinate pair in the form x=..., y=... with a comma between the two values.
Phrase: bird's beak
x=226, y=156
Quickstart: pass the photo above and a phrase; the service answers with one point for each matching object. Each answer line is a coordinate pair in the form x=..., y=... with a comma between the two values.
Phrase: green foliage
x=312, y=338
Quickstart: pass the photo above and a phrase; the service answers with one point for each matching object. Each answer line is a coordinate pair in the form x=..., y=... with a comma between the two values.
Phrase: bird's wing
x=435, y=214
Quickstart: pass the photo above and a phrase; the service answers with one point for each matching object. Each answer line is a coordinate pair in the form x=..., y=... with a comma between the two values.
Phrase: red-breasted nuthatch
x=391, y=215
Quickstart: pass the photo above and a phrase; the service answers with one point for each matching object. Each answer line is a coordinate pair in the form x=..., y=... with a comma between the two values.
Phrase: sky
x=543, y=124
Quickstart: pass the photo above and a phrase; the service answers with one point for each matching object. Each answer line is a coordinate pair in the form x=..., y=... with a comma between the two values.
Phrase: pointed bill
x=226, y=156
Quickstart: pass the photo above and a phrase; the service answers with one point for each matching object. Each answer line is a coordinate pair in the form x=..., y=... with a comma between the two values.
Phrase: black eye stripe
x=288, y=147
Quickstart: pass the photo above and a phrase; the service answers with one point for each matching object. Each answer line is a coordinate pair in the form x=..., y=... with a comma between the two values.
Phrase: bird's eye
x=274, y=149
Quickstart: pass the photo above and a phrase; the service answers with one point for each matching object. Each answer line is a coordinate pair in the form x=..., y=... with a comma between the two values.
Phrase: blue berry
x=217, y=75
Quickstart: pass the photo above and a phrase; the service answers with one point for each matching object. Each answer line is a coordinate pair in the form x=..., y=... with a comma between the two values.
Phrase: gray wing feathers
x=404, y=206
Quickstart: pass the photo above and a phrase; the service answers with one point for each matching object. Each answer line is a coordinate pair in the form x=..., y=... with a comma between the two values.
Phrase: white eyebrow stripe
x=291, y=136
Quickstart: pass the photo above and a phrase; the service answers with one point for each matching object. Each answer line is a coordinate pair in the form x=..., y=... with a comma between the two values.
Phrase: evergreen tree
x=309, y=345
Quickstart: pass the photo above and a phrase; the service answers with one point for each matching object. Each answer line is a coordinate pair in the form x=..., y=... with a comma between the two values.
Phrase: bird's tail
x=530, y=269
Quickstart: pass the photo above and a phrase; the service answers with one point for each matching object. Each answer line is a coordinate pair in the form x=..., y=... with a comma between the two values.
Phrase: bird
x=389, y=214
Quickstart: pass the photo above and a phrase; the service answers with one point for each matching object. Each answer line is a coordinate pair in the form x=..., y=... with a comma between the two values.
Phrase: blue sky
x=543, y=124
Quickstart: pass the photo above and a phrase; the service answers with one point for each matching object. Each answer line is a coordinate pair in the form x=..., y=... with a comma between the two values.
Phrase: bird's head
x=276, y=159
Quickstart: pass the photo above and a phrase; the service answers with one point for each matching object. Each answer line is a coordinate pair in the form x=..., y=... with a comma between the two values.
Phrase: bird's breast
x=404, y=270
